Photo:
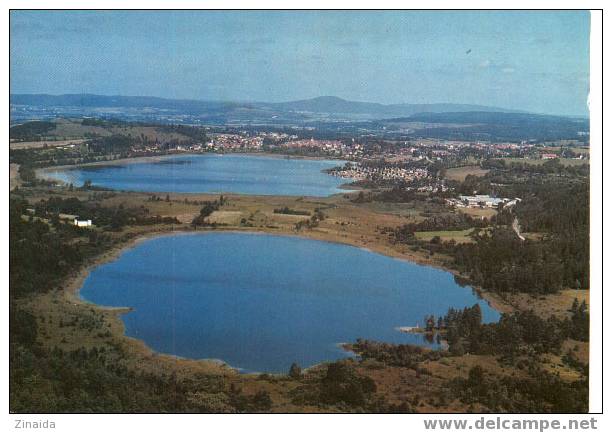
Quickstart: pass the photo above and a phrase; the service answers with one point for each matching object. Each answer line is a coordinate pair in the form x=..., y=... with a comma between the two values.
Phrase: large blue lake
x=211, y=173
x=260, y=302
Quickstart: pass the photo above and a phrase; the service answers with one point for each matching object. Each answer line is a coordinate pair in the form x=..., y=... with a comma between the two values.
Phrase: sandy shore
x=44, y=172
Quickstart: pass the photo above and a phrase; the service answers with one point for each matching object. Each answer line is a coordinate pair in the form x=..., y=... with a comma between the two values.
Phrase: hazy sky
x=537, y=61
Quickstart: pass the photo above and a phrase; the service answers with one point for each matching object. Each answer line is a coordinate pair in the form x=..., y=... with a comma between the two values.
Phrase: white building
x=82, y=223
x=481, y=200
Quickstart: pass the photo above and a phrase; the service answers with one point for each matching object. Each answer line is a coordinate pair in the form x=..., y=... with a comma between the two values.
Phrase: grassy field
x=581, y=150
x=459, y=173
x=17, y=145
x=225, y=217
x=477, y=212
x=459, y=236
x=533, y=236
x=563, y=161
x=410, y=211
x=556, y=304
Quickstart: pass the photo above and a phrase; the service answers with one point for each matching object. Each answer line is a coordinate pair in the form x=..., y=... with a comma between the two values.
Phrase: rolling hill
x=315, y=108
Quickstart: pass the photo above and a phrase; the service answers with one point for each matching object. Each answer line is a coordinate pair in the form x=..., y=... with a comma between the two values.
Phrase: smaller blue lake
x=260, y=302
x=211, y=173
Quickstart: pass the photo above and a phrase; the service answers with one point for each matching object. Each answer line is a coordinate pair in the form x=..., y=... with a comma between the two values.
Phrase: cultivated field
x=16, y=145
x=459, y=236
x=477, y=212
x=459, y=173
x=563, y=161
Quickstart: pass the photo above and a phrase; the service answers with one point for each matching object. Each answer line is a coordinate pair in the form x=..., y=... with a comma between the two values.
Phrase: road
x=517, y=228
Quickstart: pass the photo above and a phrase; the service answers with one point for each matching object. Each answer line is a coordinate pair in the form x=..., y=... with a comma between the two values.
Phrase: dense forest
x=555, y=205
x=38, y=257
x=30, y=131
x=502, y=262
x=517, y=339
x=499, y=127
x=111, y=218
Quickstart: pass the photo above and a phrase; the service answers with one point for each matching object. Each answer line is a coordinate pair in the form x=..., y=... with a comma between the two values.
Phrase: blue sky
x=536, y=61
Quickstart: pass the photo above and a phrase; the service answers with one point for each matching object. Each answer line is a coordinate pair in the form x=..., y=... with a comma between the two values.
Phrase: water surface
x=260, y=302
x=211, y=173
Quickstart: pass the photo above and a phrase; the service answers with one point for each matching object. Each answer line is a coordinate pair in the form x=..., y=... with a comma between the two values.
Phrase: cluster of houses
x=432, y=186
x=234, y=142
x=361, y=172
x=482, y=201
x=549, y=156
x=332, y=147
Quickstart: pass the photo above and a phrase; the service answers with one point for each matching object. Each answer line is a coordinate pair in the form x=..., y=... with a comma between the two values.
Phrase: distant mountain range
x=325, y=117
x=333, y=104
x=97, y=101
x=334, y=107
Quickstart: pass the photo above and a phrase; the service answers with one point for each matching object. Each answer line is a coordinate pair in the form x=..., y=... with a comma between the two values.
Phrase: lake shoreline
x=43, y=172
x=75, y=283
x=304, y=180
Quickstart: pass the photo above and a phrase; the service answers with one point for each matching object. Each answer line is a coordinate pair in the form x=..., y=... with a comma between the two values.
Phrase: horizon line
x=516, y=110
